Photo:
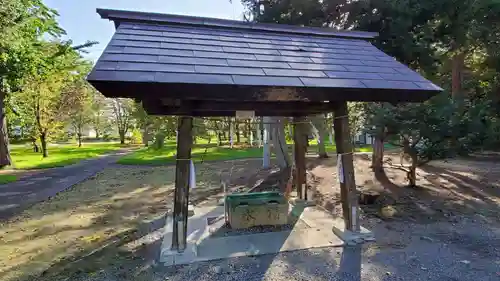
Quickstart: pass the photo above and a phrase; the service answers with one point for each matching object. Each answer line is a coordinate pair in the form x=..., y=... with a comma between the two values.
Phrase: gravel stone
x=426, y=238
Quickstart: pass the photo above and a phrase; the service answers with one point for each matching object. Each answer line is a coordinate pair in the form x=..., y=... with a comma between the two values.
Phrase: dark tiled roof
x=178, y=49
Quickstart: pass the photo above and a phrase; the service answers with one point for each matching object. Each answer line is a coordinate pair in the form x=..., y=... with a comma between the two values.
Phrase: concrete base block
x=351, y=237
x=197, y=230
x=318, y=218
x=190, y=210
x=301, y=202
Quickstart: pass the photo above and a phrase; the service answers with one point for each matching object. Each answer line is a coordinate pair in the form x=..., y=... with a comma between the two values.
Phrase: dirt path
x=39, y=185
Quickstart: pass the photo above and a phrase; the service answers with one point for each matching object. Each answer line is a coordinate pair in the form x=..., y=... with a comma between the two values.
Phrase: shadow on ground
x=111, y=225
x=445, y=189
x=104, y=221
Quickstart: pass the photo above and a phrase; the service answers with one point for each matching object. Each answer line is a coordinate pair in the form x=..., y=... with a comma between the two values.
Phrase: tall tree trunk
x=412, y=173
x=145, y=136
x=319, y=123
x=43, y=142
x=457, y=64
x=230, y=132
x=279, y=142
x=237, y=131
x=35, y=146
x=4, y=136
x=79, y=135
x=378, y=154
x=219, y=138
x=122, y=136
x=249, y=131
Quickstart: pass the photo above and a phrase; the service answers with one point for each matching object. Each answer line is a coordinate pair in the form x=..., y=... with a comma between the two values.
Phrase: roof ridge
x=119, y=16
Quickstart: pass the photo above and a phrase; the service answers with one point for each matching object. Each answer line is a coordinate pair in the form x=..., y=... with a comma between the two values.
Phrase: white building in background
x=363, y=138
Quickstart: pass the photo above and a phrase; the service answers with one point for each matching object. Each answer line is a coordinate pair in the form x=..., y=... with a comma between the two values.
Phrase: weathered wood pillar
x=346, y=167
x=181, y=194
x=300, y=149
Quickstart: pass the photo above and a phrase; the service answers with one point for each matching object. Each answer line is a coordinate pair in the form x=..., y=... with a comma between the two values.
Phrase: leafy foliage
x=435, y=129
x=123, y=114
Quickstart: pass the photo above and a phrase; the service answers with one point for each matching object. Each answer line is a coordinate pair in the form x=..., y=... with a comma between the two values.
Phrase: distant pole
x=260, y=128
x=231, y=134
x=266, y=158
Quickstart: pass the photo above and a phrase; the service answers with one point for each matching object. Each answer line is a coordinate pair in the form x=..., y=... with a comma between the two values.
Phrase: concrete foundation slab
x=204, y=247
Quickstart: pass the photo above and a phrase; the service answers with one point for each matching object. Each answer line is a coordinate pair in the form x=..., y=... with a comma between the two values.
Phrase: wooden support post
x=181, y=194
x=300, y=149
x=346, y=167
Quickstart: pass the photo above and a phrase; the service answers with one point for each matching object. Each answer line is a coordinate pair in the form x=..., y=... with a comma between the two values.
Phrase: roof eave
x=119, y=15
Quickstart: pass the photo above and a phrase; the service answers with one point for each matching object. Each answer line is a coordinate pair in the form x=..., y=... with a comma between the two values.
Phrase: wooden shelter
x=192, y=66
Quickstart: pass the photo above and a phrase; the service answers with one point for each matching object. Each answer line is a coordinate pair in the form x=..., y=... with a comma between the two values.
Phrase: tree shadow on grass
x=107, y=211
x=126, y=254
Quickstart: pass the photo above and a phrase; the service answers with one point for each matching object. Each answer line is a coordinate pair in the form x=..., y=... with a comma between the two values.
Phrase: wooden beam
x=220, y=108
x=300, y=149
x=175, y=112
x=181, y=194
x=346, y=174
x=204, y=105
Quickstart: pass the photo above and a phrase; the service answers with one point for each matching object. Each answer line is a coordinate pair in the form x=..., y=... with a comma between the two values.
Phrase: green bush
x=136, y=137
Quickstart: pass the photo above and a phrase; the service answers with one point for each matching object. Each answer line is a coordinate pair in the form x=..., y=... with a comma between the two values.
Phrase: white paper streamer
x=354, y=211
x=340, y=173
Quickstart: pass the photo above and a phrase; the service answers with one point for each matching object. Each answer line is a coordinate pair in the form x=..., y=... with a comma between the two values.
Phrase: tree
x=42, y=97
x=78, y=97
x=122, y=111
x=356, y=118
x=319, y=122
x=22, y=24
x=100, y=110
x=144, y=122
x=426, y=131
x=377, y=129
x=279, y=141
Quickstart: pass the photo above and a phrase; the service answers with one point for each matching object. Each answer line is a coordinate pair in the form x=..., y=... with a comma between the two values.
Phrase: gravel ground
x=402, y=252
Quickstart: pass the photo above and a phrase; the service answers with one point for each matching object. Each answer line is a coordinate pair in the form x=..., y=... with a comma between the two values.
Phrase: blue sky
x=82, y=23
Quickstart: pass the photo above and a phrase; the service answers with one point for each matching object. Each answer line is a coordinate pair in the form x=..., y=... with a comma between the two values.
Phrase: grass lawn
x=59, y=155
x=6, y=178
x=150, y=156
